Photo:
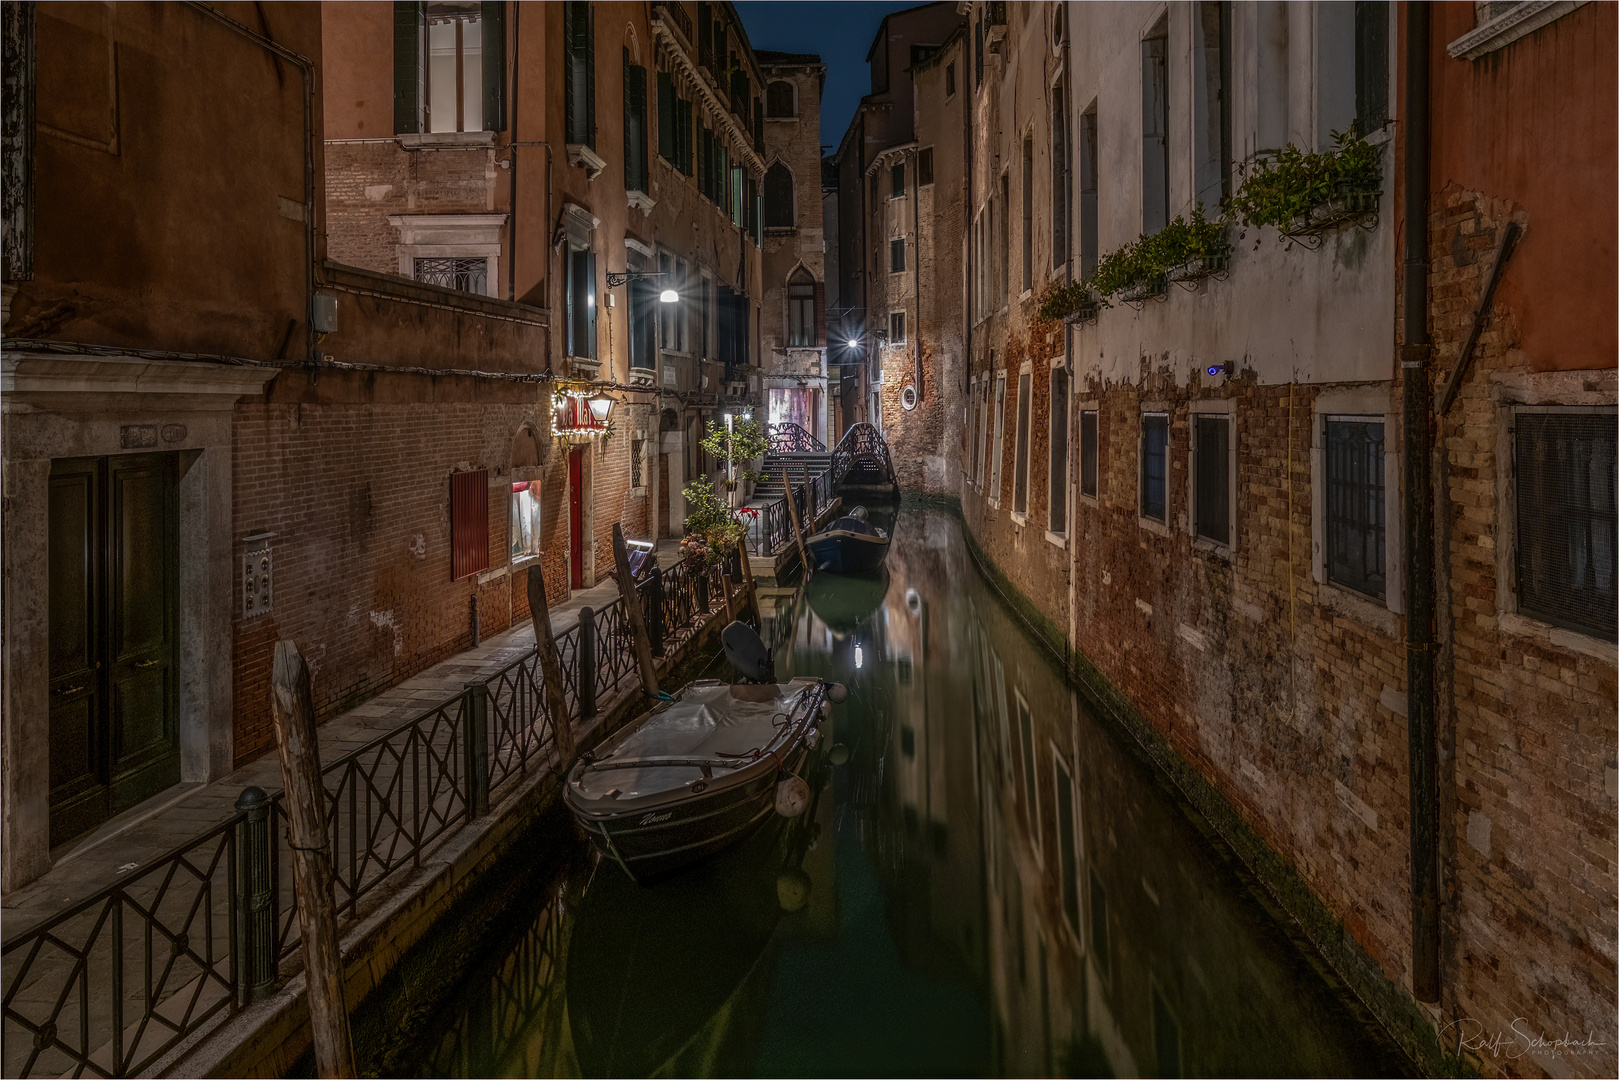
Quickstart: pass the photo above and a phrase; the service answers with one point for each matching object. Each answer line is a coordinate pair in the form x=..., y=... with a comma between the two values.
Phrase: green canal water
x=993, y=883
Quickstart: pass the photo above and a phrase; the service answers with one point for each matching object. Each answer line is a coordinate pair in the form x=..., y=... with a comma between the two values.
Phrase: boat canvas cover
x=706, y=722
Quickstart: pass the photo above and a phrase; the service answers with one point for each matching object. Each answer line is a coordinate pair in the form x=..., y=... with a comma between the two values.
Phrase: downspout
x=1418, y=518
x=916, y=270
x=511, y=160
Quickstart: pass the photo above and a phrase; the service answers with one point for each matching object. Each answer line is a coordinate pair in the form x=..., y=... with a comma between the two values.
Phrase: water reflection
x=991, y=884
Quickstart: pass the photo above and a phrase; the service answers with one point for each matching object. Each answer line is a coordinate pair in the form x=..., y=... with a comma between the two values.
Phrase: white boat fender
x=792, y=890
x=837, y=692
x=792, y=796
x=838, y=754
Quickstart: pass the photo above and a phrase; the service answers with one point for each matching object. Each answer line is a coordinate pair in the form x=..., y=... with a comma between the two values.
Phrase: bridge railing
x=793, y=439
x=861, y=449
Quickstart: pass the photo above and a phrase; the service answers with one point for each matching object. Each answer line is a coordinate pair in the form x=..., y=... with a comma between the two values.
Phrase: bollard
x=654, y=624
x=587, y=663
x=475, y=743
x=255, y=966
x=701, y=574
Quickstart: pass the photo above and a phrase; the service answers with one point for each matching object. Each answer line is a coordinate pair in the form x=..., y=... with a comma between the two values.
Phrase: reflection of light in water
x=859, y=658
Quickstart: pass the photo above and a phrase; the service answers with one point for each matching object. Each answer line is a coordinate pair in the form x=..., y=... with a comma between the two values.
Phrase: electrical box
x=324, y=313
x=256, y=585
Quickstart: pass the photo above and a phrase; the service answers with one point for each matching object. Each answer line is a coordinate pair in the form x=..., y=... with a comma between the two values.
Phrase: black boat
x=700, y=772
x=850, y=545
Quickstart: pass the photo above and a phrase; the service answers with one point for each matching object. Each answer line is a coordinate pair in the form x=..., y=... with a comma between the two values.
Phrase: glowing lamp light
x=668, y=296
x=1214, y=369
x=600, y=406
x=859, y=658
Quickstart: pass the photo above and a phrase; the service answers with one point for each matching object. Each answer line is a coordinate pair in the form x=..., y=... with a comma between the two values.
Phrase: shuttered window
x=1020, y=466
x=469, y=523
x=1212, y=479
x=1356, y=532
x=635, y=163
x=1087, y=452
x=449, y=67
x=579, y=72
x=1564, y=464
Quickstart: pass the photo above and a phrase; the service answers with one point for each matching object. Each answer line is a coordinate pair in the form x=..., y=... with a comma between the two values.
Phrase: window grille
x=1564, y=464
x=1155, y=466
x=465, y=275
x=1212, y=514
x=637, y=454
x=1355, y=507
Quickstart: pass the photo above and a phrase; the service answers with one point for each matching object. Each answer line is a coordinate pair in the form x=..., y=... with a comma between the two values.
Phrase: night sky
x=840, y=32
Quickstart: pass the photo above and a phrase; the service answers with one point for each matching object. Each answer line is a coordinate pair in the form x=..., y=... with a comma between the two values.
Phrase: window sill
x=583, y=156
x=1211, y=547
x=640, y=200
x=584, y=365
x=1369, y=610
x=1024, y=296
x=1019, y=519
x=520, y=563
x=413, y=140
x=781, y=119
x=1153, y=525
x=1511, y=622
x=1057, y=540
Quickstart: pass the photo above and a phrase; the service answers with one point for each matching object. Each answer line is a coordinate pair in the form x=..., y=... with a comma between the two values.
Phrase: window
x=675, y=131
x=1211, y=135
x=635, y=158
x=637, y=463
x=983, y=433
x=441, y=82
x=970, y=423
x=1087, y=193
x=896, y=327
x=1371, y=65
x=1058, y=472
x=1062, y=209
x=525, y=519
x=780, y=101
x=1211, y=478
x=801, y=309
x=896, y=255
x=1155, y=129
x=949, y=79
x=1020, y=450
x=1566, y=552
x=1067, y=843
x=778, y=197
x=469, y=523
x=579, y=288
x=1354, y=504
x=579, y=72
x=1155, y=466
x=924, y=166
x=1028, y=213
x=1031, y=787
x=1087, y=452
x=1003, y=251
x=896, y=176
x=467, y=275
x=643, y=313
x=1000, y=440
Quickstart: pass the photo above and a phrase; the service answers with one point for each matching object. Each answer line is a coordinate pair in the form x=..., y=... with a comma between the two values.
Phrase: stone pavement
x=173, y=818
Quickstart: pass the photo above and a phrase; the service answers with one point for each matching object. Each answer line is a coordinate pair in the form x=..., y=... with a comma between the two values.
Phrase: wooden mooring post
x=545, y=645
x=632, y=611
x=307, y=836
x=792, y=512
x=747, y=579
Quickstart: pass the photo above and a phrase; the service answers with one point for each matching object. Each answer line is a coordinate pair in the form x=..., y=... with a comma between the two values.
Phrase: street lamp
x=667, y=296
x=600, y=406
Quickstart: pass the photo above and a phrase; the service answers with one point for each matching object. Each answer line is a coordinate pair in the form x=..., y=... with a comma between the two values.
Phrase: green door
x=114, y=722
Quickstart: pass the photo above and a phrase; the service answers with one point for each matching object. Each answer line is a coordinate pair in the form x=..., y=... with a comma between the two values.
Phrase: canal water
x=992, y=883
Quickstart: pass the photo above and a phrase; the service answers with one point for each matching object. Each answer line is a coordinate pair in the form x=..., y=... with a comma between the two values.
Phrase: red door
x=576, y=517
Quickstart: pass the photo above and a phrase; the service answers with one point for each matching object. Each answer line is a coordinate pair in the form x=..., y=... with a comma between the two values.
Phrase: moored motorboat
x=700, y=772
x=850, y=545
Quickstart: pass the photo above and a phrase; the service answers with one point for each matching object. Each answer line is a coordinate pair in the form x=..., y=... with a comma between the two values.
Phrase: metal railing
x=793, y=439
x=771, y=527
x=110, y=985
x=862, y=454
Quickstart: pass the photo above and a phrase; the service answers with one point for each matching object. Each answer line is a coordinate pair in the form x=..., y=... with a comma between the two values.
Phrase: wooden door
x=114, y=724
x=576, y=517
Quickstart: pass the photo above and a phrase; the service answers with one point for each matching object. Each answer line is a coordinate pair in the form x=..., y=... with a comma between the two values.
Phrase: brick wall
x=368, y=181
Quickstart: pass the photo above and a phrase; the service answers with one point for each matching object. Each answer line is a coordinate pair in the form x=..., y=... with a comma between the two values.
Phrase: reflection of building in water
x=1118, y=944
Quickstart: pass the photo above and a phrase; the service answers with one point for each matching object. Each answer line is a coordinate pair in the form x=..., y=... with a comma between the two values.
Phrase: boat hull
x=843, y=552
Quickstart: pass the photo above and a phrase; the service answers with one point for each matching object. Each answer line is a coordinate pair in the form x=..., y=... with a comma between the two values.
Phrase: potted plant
x=1071, y=301
x=1304, y=195
x=740, y=440
x=712, y=528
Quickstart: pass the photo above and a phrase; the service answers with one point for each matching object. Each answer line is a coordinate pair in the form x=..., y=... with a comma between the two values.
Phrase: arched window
x=801, y=309
x=778, y=197
x=780, y=101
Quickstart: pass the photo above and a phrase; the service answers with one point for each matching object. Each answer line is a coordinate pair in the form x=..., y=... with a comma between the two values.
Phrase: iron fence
x=110, y=985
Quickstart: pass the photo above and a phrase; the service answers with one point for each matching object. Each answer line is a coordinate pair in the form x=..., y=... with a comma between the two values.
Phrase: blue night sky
x=840, y=32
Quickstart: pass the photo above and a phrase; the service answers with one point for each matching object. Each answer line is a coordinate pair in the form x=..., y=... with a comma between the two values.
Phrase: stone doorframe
x=69, y=406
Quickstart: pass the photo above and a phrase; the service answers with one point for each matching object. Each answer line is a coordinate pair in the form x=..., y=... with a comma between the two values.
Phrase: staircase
x=778, y=467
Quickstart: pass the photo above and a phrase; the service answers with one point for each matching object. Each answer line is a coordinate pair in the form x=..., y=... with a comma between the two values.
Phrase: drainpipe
x=916, y=270
x=511, y=158
x=1418, y=523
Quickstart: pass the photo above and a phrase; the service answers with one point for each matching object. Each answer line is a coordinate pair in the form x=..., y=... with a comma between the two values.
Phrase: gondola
x=700, y=772
x=850, y=545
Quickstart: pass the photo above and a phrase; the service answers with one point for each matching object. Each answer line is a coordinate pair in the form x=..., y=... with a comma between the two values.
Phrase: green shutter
x=493, y=21
x=588, y=45
x=667, y=145
x=409, y=31
x=631, y=169
x=593, y=302
x=569, y=106
x=705, y=24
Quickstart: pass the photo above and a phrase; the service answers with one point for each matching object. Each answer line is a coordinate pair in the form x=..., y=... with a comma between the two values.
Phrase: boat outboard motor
x=747, y=654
